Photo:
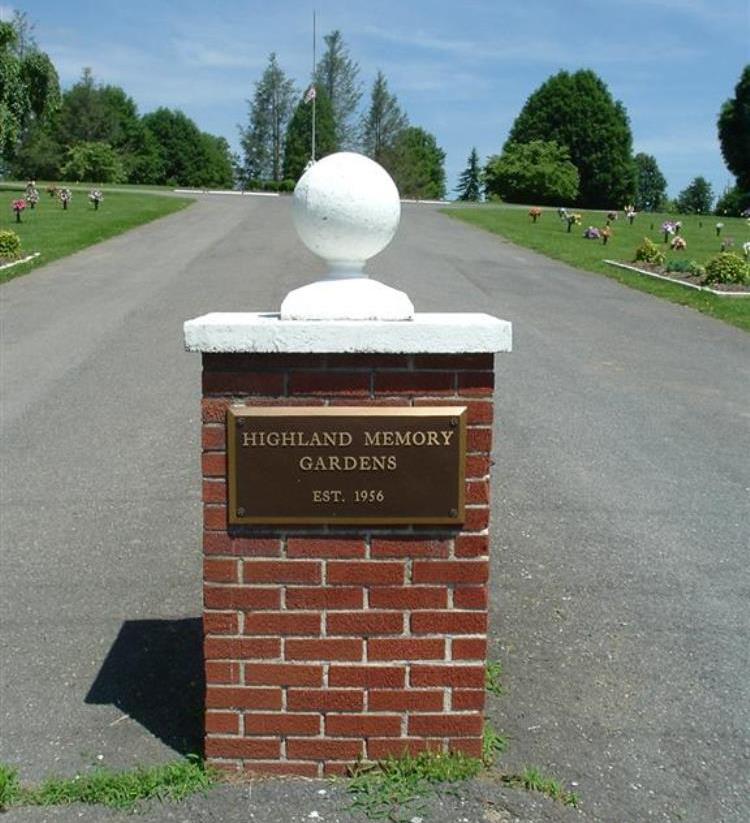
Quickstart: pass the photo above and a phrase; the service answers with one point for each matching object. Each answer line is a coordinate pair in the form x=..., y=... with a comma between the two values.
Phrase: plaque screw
x=454, y=421
x=240, y=512
x=240, y=421
x=454, y=513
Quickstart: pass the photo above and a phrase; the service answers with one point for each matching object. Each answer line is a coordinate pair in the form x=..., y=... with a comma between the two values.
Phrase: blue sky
x=460, y=70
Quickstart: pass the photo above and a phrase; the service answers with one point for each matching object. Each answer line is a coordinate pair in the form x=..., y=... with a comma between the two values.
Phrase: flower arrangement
x=606, y=234
x=677, y=226
x=592, y=233
x=562, y=213
x=678, y=243
x=611, y=215
x=668, y=227
x=32, y=198
x=719, y=227
x=727, y=243
x=52, y=190
x=745, y=212
x=18, y=206
x=65, y=195
x=535, y=213
x=572, y=220
x=96, y=197
x=630, y=213
x=746, y=249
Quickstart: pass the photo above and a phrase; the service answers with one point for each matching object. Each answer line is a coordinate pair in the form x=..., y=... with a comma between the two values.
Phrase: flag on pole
x=310, y=94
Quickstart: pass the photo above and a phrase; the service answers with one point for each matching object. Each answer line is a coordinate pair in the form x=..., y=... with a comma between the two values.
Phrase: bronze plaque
x=365, y=465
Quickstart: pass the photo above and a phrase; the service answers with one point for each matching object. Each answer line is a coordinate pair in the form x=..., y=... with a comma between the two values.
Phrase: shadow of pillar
x=154, y=673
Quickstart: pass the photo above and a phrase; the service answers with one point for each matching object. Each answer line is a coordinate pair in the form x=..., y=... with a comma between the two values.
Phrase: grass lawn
x=550, y=237
x=56, y=232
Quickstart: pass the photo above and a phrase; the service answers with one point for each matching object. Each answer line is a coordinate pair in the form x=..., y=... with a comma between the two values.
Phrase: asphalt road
x=620, y=517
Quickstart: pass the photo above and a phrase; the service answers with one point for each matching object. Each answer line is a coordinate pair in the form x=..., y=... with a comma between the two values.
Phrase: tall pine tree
x=470, y=182
x=383, y=122
x=298, y=144
x=338, y=74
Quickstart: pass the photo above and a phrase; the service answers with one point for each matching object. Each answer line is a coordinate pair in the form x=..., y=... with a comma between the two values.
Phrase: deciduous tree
x=650, y=183
x=298, y=143
x=415, y=161
x=536, y=172
x=696, y=198
x=734, y=131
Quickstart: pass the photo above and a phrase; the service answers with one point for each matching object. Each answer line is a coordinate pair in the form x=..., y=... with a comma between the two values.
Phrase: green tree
x=271, y=108
x=578, y=112
x=383, y=121
x=734, y=131
x=696, y=198
x=94, y=163
x=415, y=161
x=470, y=182
x=650, y=183
x=732, y=202
x=298, y=142
x=536, y=172
x=29, y=87
x=39, y=156
x=338, y=74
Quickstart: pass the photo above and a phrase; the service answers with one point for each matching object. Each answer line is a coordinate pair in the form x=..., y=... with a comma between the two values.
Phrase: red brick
x=416, y=700
x=220, y=623
x=471, y=747
x=260, y=361
x=321, y=597
x=242, y=747
x=214, y=464
x=302, y=623
x=458, y=725
x=323, y=649
x=241, y=648
x=325, y=700
x=365, y=623
x=323, y=749
x=245, y=382
x=478, y=412
x=378, y=748
x=473, y=362
x=285, y=767
x=478, y=492
x=469, y=648
x=213, y=438
x=214, y=518
x=369, y=401
x=478, y=439
x=222, y=671
x=283, y=724
x=214, y=409
x=415, y=382
x=368, y=361
x=214, y=491
x=241, y=597
x=364, y=573
x=220, y=571
x=467, y=699
x=281, y=571
x=472, y=545
x=228, y=697
x=476, y=383
x=363, y=725
x=329, y=382
x=336, y=768
x=470, y=597
x=409, y=547
x=449, y=622
x=222, y=543
x=409, y=597
x=370, y=677
x=405, y=649
x=476, y=519
x=280, y=674
x=450, y=571
x=468, y=677
x=477, y=465
x=325, y=547
x=222, y=723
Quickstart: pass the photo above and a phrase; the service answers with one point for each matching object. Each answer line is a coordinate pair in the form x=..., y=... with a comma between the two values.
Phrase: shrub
x=10, y=244
x=271, y=185
x=727, y=267
x=287, y=185
x=649, y=252
x=682, y=266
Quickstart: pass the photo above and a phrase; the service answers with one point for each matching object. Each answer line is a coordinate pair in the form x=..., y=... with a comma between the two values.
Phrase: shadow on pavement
x=154, y=674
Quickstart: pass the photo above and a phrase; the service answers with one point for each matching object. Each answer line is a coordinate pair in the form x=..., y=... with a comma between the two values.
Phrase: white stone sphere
x=346, y=209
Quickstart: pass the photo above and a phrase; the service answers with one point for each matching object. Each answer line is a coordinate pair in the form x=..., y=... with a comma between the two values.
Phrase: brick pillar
x=326, y=644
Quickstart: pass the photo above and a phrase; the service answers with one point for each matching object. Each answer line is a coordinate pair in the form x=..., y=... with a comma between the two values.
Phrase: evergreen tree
x=298, y=143
x=271, y=108
x=578, y=112
x=537, y=172
x=734, y=131
x=696, y=198
x=383, y=121
x=415, y=161
x=650, y=183
x=470, y=182
x=338, y=74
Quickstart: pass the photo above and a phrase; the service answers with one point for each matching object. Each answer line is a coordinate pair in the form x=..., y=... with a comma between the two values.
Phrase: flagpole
x=313, y=100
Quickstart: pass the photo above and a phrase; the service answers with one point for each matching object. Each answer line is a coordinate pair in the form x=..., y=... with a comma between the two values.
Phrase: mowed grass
x=55, y=232
x=550, y=237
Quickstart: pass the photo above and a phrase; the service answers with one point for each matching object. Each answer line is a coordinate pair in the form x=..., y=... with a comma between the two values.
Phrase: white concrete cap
x=357, y=298
x=425, y=334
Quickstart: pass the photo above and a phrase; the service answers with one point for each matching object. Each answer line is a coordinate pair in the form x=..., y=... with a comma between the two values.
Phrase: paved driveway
x=621, y=590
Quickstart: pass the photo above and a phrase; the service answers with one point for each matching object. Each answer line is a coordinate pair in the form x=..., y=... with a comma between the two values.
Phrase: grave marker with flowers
x=535, y=213
x=18, y=206
x=96, y=197
x=65, y=195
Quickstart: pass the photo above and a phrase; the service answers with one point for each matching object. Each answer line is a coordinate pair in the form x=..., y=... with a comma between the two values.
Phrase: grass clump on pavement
x=121, y=790
x=533, y=780
x=57, y=232
x=549, y=236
